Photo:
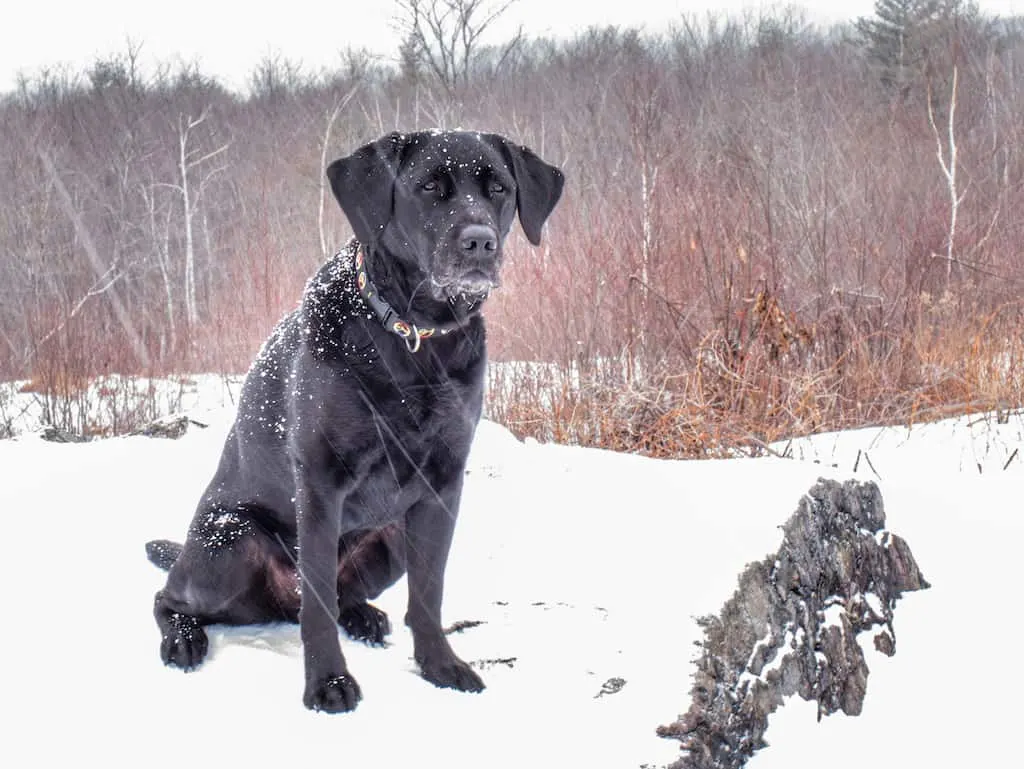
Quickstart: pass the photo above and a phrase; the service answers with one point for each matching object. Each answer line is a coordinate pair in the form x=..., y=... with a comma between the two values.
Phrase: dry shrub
x=770, y=378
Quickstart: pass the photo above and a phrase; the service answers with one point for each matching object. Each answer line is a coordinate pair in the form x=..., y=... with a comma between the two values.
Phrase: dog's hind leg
x=228, y=571
x=183, y=642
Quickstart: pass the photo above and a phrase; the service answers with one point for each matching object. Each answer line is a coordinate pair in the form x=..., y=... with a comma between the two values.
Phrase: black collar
x=412, y=334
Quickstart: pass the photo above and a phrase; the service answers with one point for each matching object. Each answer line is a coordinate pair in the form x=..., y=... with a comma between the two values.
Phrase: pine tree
x=906, y=39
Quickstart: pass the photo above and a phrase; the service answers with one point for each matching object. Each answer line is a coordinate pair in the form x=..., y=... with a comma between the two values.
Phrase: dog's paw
x=452, y=673
x=185, y=644
x=365, y=622
x=334, y=694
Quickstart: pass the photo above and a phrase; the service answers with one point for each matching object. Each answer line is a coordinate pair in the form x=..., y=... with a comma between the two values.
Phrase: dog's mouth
x=472, y=286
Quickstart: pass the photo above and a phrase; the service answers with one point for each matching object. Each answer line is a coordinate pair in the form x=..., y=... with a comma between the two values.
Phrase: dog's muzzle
x=473, y=282
x=475, y=256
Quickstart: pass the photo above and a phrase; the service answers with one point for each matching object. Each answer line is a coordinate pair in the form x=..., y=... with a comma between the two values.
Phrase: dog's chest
x=420, y=440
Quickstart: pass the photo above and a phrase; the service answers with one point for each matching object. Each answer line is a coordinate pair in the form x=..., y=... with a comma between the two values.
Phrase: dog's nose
x=478, y=239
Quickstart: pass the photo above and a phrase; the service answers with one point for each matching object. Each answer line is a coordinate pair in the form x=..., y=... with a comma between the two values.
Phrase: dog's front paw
x=365, y=622
x=333, y=694
x=452, y=673
x=185, y=644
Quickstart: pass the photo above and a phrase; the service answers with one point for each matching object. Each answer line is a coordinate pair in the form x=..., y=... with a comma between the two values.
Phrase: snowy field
x=582, y=565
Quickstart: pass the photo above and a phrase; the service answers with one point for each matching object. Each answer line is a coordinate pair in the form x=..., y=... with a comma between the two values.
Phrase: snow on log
x=56, y=435
x=168, y=427
x=792, y=625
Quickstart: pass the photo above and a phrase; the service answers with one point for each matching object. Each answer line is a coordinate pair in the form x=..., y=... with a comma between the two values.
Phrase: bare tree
x=445, y=36
x=948, y=164
x=189, y=159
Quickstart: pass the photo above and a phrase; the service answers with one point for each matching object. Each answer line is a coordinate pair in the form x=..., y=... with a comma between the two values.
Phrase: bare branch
x=208, y=156
x=104, y=284
x=101, y=270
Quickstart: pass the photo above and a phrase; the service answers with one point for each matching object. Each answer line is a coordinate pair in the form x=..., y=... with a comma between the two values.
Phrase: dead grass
x=777, y=380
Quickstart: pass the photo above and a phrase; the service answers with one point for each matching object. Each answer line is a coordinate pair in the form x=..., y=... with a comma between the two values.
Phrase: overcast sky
x=229, y=38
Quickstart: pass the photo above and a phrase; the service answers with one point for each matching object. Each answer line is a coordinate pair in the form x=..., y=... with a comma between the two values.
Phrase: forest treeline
x=768, y=227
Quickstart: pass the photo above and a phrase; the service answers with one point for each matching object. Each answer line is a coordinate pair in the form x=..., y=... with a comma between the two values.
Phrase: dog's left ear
x=364, y=185
x=539, y=185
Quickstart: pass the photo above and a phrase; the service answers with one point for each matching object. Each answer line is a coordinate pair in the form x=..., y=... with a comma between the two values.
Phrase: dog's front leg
x=329, y=686
x=429, y=529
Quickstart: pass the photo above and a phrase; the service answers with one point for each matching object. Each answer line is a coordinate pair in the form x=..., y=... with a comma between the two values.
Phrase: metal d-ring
x=413, y=346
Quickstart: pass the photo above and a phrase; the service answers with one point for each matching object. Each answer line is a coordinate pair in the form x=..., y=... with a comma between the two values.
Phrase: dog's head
x=444, y=202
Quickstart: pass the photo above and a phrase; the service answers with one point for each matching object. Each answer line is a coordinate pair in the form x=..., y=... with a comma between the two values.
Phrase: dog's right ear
x=364, y=184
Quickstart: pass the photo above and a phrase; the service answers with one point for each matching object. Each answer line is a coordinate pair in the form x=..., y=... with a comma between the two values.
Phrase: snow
x=582, y=565
x=23, y=409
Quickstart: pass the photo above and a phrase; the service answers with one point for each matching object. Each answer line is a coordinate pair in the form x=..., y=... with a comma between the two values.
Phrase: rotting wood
x=792, y=625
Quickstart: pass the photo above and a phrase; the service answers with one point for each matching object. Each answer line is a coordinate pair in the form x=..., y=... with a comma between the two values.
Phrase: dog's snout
x=478, y=239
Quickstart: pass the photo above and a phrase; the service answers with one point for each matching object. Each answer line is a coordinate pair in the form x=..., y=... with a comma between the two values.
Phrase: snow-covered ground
x=583, y=566
x=104, y=404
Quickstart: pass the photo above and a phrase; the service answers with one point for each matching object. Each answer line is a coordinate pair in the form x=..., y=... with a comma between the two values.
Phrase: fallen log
x=791, y=627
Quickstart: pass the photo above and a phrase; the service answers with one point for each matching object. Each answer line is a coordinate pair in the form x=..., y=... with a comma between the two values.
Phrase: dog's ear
x=364, y=184
x=539, y=185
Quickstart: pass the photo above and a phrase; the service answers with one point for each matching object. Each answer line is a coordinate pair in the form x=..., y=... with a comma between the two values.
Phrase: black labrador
x=344, y=467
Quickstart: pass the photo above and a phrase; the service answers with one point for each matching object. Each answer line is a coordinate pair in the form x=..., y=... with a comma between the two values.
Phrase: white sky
x=229, y=38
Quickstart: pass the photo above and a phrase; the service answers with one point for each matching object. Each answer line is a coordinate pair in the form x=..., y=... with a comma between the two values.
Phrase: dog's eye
x=429, y=186
x=497, y=188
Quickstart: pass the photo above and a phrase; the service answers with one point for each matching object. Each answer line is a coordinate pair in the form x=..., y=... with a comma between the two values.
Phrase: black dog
x=344, y=467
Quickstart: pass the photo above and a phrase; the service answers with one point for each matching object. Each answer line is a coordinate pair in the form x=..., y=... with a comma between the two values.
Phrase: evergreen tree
x=908, y=39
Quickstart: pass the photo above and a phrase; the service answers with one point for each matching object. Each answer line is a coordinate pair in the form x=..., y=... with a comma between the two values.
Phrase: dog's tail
x=163, y=552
